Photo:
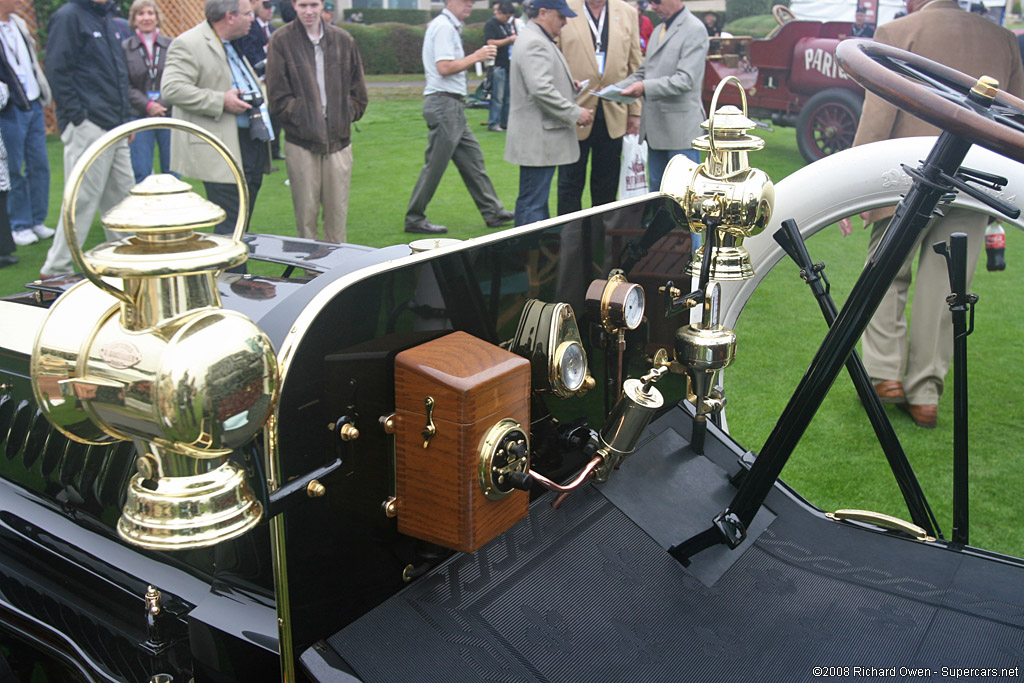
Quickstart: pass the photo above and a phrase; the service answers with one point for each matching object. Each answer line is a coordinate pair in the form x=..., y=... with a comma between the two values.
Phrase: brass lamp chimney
x=724, y=191
x=158, y=361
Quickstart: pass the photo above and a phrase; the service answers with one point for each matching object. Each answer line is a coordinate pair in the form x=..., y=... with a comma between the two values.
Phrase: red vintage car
x=792, y=79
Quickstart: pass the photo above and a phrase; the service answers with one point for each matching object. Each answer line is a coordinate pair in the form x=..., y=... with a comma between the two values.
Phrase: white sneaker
x=23, y=238
x=43, y=232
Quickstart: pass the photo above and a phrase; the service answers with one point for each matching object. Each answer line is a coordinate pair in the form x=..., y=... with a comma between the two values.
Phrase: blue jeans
x=498, y=114
x=534, y=190
x=657, y=160
x=142, y=152
x=25, y=136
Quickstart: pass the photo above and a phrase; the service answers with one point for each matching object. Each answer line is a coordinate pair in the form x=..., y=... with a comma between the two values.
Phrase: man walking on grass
x=448, y=135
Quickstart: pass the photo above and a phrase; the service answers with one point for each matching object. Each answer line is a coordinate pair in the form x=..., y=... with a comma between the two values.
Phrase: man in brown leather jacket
x=316, y=91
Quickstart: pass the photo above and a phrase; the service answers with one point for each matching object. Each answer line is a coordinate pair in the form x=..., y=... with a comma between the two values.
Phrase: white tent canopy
x=842, y=10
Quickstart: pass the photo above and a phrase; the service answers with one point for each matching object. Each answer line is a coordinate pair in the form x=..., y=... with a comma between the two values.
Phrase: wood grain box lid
x=454, y=365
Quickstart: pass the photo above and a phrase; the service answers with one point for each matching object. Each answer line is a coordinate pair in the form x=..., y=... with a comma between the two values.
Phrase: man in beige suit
x=543, y=114
x=210, y=83
x=601, y=44
x=912, y=374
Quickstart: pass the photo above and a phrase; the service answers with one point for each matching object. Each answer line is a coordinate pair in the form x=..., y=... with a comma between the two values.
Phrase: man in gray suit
x=543, y=113
x=670, y=81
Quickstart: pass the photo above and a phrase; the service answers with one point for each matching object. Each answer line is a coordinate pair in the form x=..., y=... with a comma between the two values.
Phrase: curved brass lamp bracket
x=108, y=140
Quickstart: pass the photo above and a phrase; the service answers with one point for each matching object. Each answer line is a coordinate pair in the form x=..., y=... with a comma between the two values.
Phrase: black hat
x=559, y=5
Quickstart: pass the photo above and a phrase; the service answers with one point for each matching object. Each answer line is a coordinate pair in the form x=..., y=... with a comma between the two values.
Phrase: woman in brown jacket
x=146, y=54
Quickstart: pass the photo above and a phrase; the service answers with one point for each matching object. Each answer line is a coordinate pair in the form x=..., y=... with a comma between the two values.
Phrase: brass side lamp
x=158, y=361
x=724, y=192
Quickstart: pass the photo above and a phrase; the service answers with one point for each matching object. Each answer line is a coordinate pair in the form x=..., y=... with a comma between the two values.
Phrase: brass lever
x=882, y=520
x=430, y=429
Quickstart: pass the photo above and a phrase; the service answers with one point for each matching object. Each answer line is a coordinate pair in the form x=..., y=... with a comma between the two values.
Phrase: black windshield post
x=959, y=302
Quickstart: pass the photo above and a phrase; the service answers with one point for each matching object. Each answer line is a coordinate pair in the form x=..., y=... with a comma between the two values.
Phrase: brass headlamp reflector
x=158, y=361
x=549, y=338
x=724, y=190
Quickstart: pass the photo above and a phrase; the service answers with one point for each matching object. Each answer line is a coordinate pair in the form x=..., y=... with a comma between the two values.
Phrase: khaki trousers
x=921, y=359
x=319, y=180
x=106, y=183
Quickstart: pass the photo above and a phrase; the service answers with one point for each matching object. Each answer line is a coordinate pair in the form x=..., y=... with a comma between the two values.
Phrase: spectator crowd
x=252, y=81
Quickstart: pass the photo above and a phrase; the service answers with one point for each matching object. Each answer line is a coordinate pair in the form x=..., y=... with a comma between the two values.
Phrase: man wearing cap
x=543, y=115
x=909, y=367
x=448, y=135
x=861, y=29
x=670, y=82
x=316, y=86
x=327, y=14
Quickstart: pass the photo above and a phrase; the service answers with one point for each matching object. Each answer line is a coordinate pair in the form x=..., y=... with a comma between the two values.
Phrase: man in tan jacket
x=912, y=372
x=602, y=45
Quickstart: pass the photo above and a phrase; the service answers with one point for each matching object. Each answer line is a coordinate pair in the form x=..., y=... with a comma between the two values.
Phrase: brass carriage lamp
x=724, y=192
x=158, y=361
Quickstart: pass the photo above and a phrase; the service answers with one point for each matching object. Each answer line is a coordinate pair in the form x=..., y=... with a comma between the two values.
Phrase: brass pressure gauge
x=617, y=303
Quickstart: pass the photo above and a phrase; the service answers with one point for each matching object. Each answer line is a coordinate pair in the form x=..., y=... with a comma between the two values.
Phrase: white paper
x=613, y=93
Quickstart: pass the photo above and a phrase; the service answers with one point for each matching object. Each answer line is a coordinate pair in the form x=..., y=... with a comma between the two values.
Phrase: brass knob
x=348, y=432
x=315, y=489
x=986, y=87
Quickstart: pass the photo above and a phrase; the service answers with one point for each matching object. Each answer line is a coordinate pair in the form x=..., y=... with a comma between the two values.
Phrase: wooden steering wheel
x=782, y=14
x=936, y=94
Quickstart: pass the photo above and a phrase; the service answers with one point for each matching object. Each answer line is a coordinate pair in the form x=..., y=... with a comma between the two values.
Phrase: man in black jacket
x=87, y=72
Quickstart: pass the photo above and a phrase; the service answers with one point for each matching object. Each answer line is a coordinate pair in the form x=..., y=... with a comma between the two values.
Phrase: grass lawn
x=838, y=463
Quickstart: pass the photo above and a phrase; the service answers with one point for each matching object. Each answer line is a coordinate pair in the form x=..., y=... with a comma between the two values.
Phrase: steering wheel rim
x=782, y=14
x=896, y=76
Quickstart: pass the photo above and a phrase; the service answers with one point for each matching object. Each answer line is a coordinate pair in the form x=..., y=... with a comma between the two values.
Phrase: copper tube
x=578, y=481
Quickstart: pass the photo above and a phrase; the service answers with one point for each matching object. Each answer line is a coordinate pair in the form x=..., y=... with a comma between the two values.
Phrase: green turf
x=838, y=463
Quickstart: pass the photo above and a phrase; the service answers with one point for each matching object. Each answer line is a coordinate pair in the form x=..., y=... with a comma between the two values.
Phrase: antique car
x=792, y=78
x=481, y=460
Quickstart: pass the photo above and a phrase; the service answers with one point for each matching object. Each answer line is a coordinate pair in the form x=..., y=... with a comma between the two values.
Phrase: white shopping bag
x=633, y=171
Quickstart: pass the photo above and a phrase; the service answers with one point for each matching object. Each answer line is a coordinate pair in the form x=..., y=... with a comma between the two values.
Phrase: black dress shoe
x=426, y=228
x=7, y=260
x=501, y=219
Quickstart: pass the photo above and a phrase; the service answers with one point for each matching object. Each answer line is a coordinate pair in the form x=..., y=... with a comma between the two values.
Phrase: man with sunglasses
x=670, y=82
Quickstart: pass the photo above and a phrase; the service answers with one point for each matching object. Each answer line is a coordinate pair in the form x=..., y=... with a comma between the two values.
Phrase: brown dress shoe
x=924, y=416
x=891, y=391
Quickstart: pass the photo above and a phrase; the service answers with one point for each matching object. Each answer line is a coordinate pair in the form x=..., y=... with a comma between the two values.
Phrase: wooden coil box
x=473, y=385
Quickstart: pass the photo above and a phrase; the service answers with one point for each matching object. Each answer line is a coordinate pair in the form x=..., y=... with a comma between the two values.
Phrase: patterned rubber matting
x=588, y=593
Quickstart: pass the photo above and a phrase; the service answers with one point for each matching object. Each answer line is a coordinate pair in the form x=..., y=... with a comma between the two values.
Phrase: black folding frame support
x=790, y=239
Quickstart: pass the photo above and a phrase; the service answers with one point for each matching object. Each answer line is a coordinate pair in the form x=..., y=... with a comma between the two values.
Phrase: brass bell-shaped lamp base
x=188, y=512
x=728, y=263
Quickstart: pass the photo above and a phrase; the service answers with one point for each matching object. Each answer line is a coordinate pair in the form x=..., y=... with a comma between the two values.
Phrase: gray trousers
x=920, y=356
x=106, y=183
x=449, y=139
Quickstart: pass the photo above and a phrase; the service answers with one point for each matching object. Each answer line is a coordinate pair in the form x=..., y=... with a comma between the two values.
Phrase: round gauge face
x=633, y=308
x=573, y=366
